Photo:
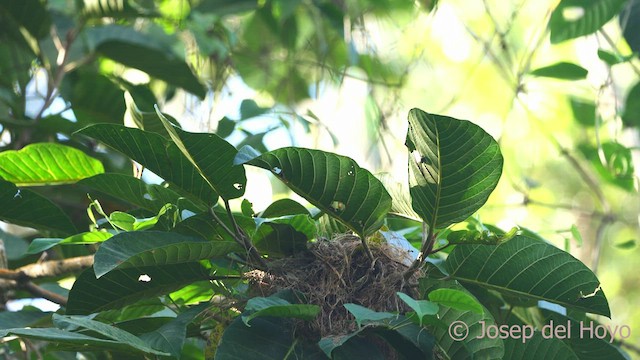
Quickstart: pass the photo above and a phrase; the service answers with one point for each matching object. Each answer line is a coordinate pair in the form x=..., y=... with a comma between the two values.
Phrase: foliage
x=174, y=269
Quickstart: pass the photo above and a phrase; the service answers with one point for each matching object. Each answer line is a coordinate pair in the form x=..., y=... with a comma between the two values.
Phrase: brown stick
x=48, y=269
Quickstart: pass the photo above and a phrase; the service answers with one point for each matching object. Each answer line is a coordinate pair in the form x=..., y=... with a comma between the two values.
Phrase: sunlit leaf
x=47, y=164
x=39, y=245
x=575, y=18
x=156, y=248
x=333, y=183
x=455, y=299
x=454, y=166
x=562, y=70
x=525, y=267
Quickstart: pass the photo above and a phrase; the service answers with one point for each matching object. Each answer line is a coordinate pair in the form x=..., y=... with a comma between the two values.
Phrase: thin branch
x=45, y=269
x=43, y=293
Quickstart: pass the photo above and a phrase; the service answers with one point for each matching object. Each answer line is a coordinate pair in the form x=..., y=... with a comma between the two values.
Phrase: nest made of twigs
x=336, y=272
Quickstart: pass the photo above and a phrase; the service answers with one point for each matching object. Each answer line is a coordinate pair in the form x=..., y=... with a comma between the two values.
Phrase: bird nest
x=337, y=272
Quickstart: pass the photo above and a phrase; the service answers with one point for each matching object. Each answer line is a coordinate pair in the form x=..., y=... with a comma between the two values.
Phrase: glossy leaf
x=454, y=166
x=277, y=307
x=105, y=330
x=536, y=347
x=575, y=18
x=212, y=157
x=156, y=248
x=455, y=299
x=151, y=197
x=39, y=245
x=123, y=287
x=157, y=154
x=47, y=164
x=525, y=267
x=28, y=208
x=333, y=183
x=562, y=70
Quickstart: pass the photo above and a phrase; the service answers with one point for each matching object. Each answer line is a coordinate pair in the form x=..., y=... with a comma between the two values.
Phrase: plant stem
x=427, y=248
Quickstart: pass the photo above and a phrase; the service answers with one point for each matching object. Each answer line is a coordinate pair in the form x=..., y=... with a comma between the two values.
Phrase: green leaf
x=212, y=156
x=47, y=164
x=631, y=114
x=421, y=307
x=618, y=168
x=21, y=319
x=270, y=339
x=15, y=247
x=95, y=98
x=151, y=197
x=276, y=307
x=123, y=287
x=333, y=183
x=364, y=315
x=454, y=166
x=284, y=236
x=409, y=340
x=401, y=204
x=31, y=14
x=455, y=299
x=39, y=245
x=584, y=111
x=561, y=70
x=459, y=338
x=128, y=222
x=202, y=226
x=156, y=248
x=525, y=267
x=145, y=120
x=611, y=58
x=250, y=109
x=171, y=336
x=629, y=20
x=153, y=55
x=108, y=331
x=28, y=208
x=157, y=154
x=283, y=207
x=536, y=347
x=575, y=18
x=626, y=245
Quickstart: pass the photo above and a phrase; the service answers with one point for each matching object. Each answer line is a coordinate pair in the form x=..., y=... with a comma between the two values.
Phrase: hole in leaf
x=147, y=196
x=572, y=13
x=238, y=186
x=276, y=170
x=17, y=195
x=338, y=206
x=144, y=278
x=351, y=171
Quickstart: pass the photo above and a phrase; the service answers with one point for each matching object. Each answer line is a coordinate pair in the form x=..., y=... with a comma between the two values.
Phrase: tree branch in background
x=21, y=278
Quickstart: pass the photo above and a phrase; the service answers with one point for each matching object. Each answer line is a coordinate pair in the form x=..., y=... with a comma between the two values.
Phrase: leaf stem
x=427, y=248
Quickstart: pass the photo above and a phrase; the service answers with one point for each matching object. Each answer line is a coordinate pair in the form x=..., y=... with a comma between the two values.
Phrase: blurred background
x=341, y=76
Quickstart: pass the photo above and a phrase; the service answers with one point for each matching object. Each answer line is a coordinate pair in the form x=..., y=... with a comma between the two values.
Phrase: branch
x=50, y=268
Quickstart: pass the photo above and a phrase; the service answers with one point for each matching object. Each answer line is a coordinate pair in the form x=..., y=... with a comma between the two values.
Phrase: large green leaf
x=108, y=331
x=333, y=183
x=122, y=287
x=212, y=157
x=151, y=54
x=526, y=267
x=156, y=248
x=27, y=208
x=575, y=18
x=47, y=164
x=76, y=340
x=270, y=339
x=157, y=154
x=39, y=245
x=277, y=307
x=454, y=166
x=95, y=98
x=536, y=347
x=151, y=197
